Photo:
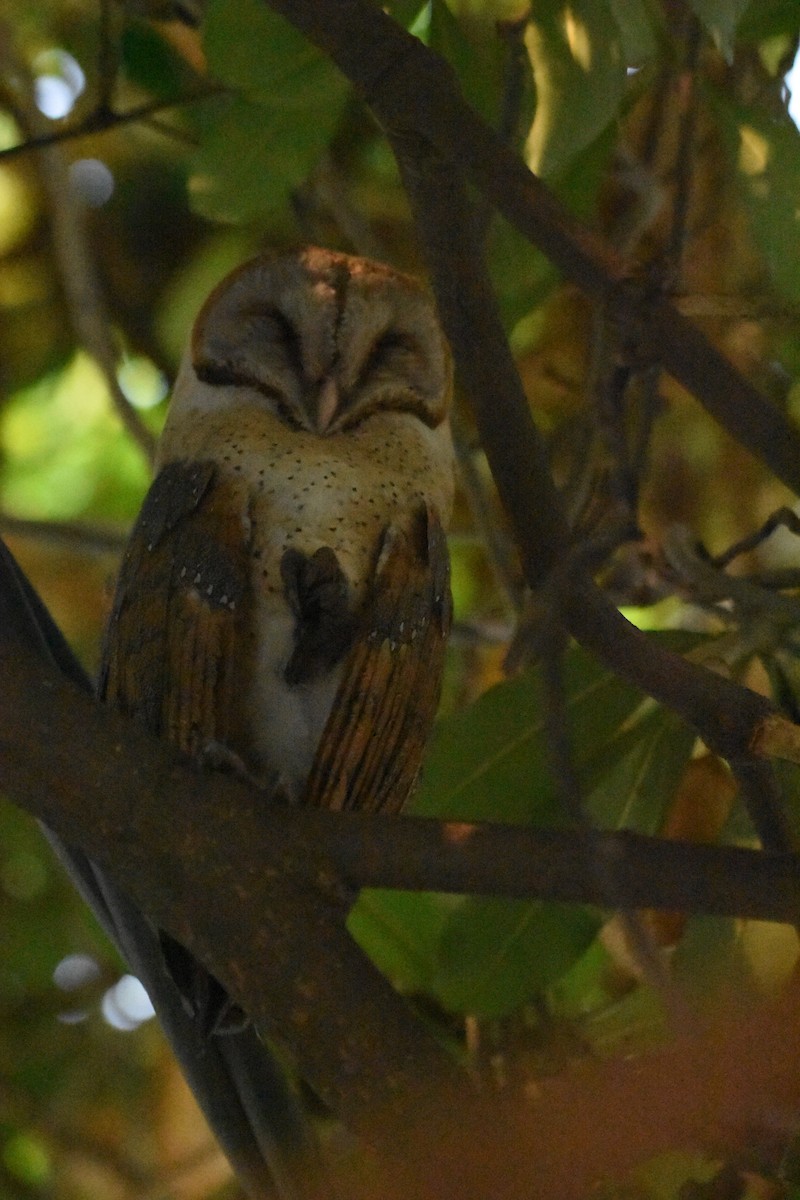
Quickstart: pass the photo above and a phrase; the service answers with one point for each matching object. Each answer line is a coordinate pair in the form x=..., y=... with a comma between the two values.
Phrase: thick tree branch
x=361, y=849
x=247, y=893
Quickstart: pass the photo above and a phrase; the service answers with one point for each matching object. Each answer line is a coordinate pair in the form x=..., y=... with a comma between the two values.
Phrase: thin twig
x=776, y=579
x=707, y=584
x=99, y=121
x=782, y=518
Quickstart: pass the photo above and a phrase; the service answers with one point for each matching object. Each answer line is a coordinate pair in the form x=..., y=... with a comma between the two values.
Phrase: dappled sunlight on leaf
x=66, y=454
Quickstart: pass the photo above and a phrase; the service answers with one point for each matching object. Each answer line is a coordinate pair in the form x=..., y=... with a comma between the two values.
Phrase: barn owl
x=284, y=598
x=284, y=601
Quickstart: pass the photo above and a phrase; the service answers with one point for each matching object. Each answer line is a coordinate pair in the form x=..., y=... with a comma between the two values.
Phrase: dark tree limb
x=413, y=92
x=80, y=786
x=249, y=894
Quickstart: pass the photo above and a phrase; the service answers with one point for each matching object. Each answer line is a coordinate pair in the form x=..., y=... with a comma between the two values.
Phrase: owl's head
x=326, y=339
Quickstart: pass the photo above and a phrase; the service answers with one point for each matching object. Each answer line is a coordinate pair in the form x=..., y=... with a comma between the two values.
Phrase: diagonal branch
x=413, y=92
x=101, y=120
x=181, y=844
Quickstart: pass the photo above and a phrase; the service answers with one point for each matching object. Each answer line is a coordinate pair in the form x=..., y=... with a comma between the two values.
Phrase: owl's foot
x=318, y=593
x=216, y=756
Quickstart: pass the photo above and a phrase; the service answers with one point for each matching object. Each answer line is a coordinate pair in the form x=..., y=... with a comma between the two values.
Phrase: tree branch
x=101, y=120
x=412, y=91
x=83, y=537
x=248, y=894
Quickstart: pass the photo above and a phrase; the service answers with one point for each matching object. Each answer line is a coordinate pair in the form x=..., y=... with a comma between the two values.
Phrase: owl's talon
x=216, y=756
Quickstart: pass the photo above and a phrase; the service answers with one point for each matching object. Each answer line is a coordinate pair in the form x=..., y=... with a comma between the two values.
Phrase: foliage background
x=665, y=126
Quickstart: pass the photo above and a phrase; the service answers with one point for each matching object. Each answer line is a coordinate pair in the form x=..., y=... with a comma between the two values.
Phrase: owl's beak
x=327, y=404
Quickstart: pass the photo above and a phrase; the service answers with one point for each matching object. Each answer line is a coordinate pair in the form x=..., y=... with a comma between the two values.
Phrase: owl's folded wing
x=168, y=657
x=371, y=749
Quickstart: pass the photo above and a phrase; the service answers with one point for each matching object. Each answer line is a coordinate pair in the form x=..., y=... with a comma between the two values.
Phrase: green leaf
x=475, y=52
x=401, y=931
x=256, y=147
x=638, y=773
x=670, y=1175
x=710, y=962
x=639, y=27
x=251, y=48
x=579, y=70
x=246, y=162
x=721, y=18
x=585, y=987
x=769, y=18
x=766, y=150
x=64, y=453
x=406, y=12
x=151, y=62
x=489, y=12
x=523, y=277
x=491, y=761
x=495, y=954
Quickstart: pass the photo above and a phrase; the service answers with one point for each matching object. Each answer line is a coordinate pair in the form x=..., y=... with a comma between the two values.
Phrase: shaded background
x=665, y=126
